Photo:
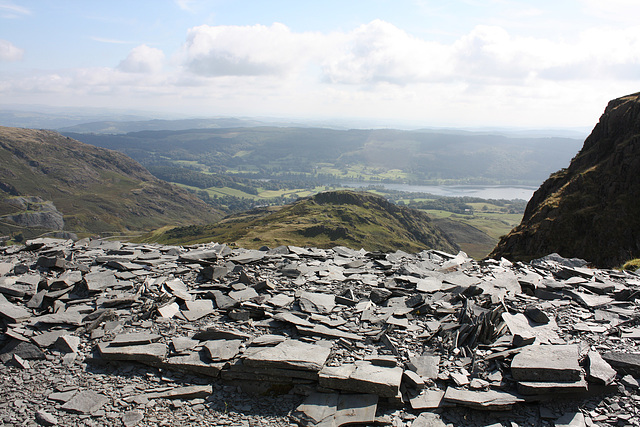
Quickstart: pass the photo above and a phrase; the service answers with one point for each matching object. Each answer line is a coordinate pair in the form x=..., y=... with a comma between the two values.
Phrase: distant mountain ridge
x=333, y=218
x=316, y=153
x=96, y=190
x=591, y=209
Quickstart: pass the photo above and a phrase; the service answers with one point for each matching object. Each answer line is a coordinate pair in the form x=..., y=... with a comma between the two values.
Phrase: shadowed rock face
x=590, y=210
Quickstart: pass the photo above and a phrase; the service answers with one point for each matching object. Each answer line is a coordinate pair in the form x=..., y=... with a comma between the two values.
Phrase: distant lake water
x=483, y=191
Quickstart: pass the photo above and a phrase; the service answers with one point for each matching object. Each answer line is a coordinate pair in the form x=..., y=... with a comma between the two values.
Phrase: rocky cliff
x=590, y=210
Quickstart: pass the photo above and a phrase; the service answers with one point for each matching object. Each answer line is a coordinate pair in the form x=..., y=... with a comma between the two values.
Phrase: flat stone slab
x=362, y=377
x=220, y=350
x=519, y=324
x=325, y=331
x=14, y=313
x=332, y=409
x=426, y=365
x=600, y=372
x=147, y=353
x=626, y=363
x=195, y=362
x=530, y=388
x=427, y=399
x=489, y=400
x=290, y=354
x=187, y=392
x=312, y=302
x=556, y=363
x=85, y=402
x=136, y=338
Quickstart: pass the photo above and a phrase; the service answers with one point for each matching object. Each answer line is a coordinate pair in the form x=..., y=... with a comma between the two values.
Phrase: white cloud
x=255, y=50
x=143, y=59
x=487, y=76
x=9, y=52
x=11, y=11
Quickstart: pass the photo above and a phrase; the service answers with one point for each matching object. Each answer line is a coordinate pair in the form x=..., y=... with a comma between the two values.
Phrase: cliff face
x=591, y=209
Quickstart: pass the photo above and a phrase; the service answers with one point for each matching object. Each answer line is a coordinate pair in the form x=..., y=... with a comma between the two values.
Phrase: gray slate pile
x=109, y=333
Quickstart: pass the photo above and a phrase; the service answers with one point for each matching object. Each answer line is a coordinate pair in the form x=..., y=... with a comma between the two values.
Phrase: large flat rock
x=490, y=400
x=290, y=354
x=363, y=377
x=147, y=353
x=556, y=363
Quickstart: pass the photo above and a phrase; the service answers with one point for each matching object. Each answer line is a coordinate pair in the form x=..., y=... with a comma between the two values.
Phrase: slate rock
x=600, y=372
x=428, y=419
x=312, y=302
x=23, y=349
x=547, y=363
x=136, y=353
x=68, y=343
x=536, y=315
x=427, y=399
x=45, y=418
x=290, y=354
x=136, y=338
x=426, y=365
x=14, y=313
x=493, y=400
x=85, y=402
x=624, y=363
x=221, y=350
x=362, y=377
x=132, y=418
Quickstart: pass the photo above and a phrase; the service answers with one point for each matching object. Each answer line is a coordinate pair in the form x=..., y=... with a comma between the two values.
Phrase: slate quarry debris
x=108, y=333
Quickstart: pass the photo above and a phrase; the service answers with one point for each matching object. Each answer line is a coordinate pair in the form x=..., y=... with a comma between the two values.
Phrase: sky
x=440, y=63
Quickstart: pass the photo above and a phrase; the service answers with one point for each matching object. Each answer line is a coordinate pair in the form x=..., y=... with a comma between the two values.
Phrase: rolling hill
x=333, y=218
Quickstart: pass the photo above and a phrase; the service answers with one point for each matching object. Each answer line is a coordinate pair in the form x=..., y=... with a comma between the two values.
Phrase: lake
x=507, y=192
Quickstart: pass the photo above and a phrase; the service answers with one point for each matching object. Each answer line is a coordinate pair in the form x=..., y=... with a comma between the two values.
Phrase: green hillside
x=98, y=191
x=335, y=218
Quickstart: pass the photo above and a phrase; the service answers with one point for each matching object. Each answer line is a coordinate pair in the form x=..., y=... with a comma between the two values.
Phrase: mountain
x=590, y=210
x=328, y=155
x=334, y=218
x=52, y=182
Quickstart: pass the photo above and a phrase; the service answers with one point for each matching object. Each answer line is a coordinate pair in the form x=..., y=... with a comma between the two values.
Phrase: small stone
x=68, y=343
x=46, y=419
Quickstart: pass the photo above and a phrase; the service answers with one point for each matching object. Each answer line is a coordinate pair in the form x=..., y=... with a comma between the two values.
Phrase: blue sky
x=463, y=63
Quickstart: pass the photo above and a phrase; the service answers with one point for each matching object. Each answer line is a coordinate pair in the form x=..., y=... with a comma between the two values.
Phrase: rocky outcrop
x=591, y=209
x=35, y=213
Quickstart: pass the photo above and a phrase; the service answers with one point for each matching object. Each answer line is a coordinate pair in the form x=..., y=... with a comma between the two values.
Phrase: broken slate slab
x=148, y=353
x=547, y=363
x=427, y=399
x=85, y=402
x=194, y=362
x=362, y=377
x=221, y=350
x=312, y=302
x=625, y=363
x=426, y=365
x=600, y=372
x=519, y=324
x=493, y=400
x=14, y=313
x=187, y=392
x=136, y=338
x=530, y=388
x=290, y=354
